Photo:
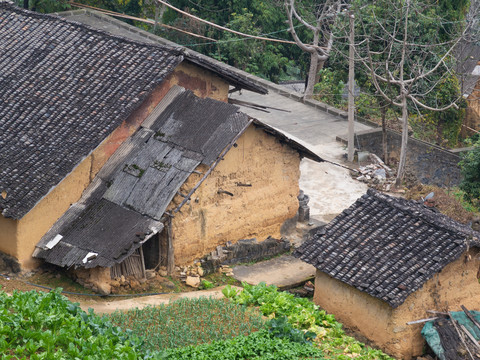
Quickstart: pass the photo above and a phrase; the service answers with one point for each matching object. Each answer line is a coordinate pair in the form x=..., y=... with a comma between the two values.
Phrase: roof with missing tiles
x=64, y=87
x=387, y=247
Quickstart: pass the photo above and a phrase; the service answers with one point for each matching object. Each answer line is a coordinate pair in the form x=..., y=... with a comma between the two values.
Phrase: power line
x=227, y=29
x=148, y=21
x=242, y=39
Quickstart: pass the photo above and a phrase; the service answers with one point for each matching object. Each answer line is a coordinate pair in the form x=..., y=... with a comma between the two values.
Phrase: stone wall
x=250, y=194
x=429, y=163
x=455, y=285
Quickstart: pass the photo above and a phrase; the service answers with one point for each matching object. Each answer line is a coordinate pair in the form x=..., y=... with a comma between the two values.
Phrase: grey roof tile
x=64, y=87
x=387, y=247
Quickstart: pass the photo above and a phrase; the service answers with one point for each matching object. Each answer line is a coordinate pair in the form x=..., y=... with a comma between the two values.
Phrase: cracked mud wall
x=455, y=285
x=213, y=217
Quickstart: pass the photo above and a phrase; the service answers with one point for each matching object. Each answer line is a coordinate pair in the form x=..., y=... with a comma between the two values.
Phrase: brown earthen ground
x=445, y=201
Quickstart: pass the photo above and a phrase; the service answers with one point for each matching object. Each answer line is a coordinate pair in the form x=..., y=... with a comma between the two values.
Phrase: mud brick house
x=108, y=142
x=384, y=261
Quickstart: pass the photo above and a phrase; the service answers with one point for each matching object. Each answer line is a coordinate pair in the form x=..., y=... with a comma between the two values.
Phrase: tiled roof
x=387, y=247
x=64, y=87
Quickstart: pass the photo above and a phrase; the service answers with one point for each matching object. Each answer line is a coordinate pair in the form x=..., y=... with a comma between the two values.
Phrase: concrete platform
x=284, y=272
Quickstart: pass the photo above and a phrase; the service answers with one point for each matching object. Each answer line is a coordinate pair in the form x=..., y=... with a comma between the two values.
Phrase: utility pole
x=351, y=89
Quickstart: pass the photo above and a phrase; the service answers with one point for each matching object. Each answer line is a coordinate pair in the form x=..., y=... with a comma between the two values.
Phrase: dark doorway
x=155, y=251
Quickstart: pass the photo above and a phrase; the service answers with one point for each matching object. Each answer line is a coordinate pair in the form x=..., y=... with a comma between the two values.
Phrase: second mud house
x=384, y=261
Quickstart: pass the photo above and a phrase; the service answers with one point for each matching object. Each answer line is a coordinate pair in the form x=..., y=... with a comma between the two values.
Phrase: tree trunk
x=403, y=150
x=311, y=76
x=312, y=73
x=320, y=65
x=25, y=4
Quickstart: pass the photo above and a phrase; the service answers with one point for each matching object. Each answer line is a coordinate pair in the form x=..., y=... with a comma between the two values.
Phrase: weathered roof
x=141, y=178
x=387, y=247
x=98, y=20
x=64, y=87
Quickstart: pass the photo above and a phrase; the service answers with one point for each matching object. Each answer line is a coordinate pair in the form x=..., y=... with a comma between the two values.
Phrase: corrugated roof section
x=387, y=247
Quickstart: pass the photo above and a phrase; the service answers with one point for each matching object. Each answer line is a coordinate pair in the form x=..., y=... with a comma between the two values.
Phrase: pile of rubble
x=192, y=275
x=377, y=175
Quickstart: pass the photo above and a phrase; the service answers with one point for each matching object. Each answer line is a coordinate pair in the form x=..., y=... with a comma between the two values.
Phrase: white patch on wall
x=476, y=71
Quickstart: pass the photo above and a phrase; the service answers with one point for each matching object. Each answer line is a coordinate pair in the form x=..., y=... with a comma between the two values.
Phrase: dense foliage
x=188, y=322
x=304, y=315
x=470, y=166
x=38, y=325
x=260, y=345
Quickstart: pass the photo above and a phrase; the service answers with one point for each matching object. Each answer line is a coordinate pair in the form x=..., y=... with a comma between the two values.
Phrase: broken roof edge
x=228, y=72
x=285, y=139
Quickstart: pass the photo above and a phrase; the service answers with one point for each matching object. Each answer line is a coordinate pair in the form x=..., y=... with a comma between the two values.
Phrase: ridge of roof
x=230, y=73
x=387, y=247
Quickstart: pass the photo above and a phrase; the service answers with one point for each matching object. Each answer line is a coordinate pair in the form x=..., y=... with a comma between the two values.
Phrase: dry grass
x=445, y=201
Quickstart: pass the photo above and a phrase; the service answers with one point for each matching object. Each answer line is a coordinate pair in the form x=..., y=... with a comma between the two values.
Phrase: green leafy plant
x=229, y=292
x=38, y=325
x=305, y=316
x=280, y=327
x=205, y=284
x=260, y=345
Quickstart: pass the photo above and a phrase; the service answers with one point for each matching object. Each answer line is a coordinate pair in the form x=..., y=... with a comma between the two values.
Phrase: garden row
x=257, y=323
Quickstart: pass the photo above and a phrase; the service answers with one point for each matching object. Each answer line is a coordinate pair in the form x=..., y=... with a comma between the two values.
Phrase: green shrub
x=470, y=167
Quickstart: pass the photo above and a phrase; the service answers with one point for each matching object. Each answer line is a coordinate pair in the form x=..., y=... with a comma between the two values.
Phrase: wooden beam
x=170, y=249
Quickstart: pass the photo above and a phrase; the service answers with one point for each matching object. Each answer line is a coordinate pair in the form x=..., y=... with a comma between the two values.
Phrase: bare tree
x=322, y=17
x=407, y=58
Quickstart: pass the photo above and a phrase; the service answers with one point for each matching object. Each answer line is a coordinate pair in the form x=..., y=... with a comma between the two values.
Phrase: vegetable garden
x=257, y=323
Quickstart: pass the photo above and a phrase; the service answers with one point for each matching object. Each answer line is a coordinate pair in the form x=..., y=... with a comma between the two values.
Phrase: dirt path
x=107, y=307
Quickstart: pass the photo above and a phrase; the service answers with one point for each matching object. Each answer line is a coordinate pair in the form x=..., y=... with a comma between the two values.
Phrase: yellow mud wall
x=203, y=83
x=354, y=308
x=212, y=218
x=8, y=236
x=455, y=285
